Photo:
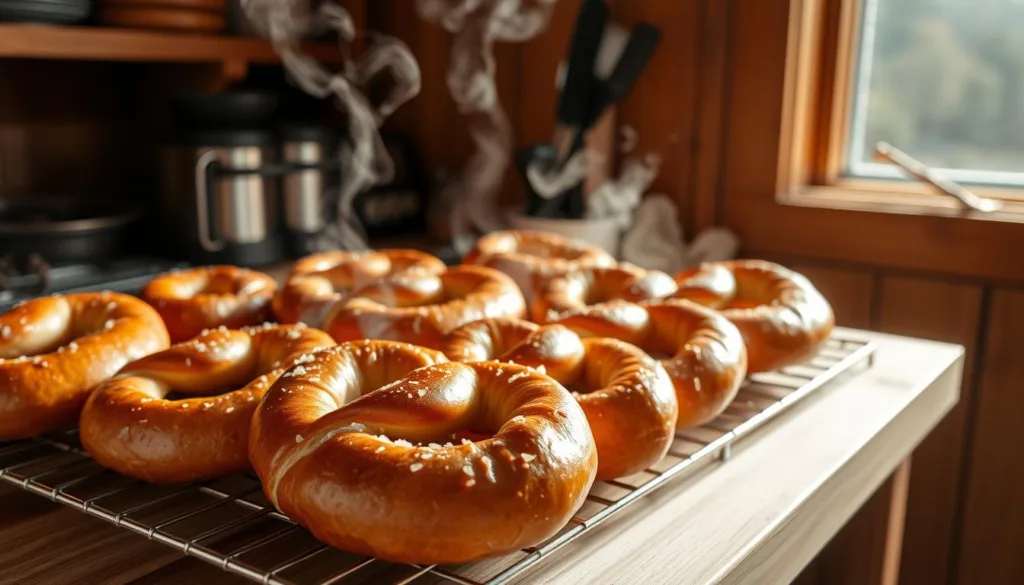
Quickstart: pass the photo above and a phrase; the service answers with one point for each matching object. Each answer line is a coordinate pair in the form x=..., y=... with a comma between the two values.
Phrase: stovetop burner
x=31, y=276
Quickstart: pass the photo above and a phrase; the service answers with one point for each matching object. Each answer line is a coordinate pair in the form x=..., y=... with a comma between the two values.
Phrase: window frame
x=824, y=58
x=762, y=154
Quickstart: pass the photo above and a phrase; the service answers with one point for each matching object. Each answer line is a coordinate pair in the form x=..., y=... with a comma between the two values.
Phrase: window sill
x=855, y=196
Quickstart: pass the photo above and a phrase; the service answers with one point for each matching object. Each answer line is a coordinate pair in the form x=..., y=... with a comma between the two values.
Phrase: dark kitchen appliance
x=63, y=229
x=216, y=203
x=26, y=276
x=400, y=206
x=45, y=11
x=312, y=153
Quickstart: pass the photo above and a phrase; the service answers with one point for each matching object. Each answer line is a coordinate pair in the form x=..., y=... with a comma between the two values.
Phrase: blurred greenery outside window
x=942, y=80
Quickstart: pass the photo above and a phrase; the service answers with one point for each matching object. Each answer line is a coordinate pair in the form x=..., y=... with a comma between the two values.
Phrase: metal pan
x=63, y=230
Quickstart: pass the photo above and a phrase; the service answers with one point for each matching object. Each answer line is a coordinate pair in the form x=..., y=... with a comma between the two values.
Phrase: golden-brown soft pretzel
x=532, y=258
x=577, y=292
x=320, y=280
x=711, y=285
x=420, y=308
x=359, y=449
x=54, y=350
x=782, y=316
x=628, y=398
x=702, y=352
x=131, y=425
x=486, y=339
x=208, y=297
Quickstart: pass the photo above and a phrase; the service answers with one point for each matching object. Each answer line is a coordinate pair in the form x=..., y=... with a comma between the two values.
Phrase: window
x=942, y=80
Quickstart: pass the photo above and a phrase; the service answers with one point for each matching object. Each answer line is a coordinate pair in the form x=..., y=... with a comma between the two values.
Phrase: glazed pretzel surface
x=208, y=297
x=54, y=350
x=576, y=291
x=533, y=258
x=136, y=426
x=420, y=308
x=702, y=352
x=318, y=281
x=628, y=398
x=362, y=448
x=782, y=316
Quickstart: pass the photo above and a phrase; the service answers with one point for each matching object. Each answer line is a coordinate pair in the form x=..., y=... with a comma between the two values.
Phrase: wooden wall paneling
x=867, y=550
x=510, y=80
x=850, y=291
x=661, y=106
x=539, y=58
x=713, y=62
x=949, y=312
x=993, y=516
x=58, y=138
x=430, y=118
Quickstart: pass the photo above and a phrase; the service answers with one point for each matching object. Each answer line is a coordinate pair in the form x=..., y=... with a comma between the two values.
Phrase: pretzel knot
x=576, y=291
x=183, y=414
x=781, y=315
x=626, y=395
x=318, y=281
x=208, y=297
x=702, y=351
x=419, y=308
x=54, y=350
x=369, y=447
x=533, y=258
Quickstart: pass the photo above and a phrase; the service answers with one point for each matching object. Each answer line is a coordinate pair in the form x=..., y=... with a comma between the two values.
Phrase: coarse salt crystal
x=415, y=467
x=379, y=449
x=6, y=331
x=519, y=418
x=229, y=409
x=402, y=443
x=470, y=483
x=516, y=377
x=528, y=457
x=298, y=438
x=434, y=445
x=421, y=393
x=466, y=441
x=468, y=469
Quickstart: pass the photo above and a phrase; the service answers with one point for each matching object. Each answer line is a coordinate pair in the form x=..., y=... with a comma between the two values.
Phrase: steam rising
x=476, y=25
x=365, y=160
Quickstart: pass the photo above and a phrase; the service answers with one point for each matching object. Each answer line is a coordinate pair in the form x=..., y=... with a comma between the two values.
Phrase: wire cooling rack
x=229, y=523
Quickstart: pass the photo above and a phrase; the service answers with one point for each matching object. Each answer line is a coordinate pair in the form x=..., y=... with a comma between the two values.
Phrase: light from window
x=942, y=80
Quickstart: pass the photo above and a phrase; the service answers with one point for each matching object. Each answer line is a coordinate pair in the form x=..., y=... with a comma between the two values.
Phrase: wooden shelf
x=80, y=43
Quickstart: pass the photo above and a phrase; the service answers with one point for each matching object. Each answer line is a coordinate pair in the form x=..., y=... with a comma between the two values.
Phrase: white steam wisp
x=477, y=24
x=365, y=159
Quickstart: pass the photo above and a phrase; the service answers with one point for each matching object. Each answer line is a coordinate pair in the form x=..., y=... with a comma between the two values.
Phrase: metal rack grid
x=229, y=523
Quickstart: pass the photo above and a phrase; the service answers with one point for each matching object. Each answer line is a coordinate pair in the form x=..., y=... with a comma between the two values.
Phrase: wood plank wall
x=710, y=101
x=708, y=105
x=662, y=108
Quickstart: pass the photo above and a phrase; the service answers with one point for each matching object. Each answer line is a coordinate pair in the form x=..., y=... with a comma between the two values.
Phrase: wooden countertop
x=758, y=518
